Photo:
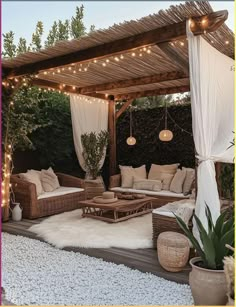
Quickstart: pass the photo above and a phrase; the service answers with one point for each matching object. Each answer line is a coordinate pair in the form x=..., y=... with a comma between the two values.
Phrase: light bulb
x=131, y=141
x=165, y=135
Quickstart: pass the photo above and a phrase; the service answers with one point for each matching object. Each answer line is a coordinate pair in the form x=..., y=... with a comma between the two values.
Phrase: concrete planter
x=208, y=286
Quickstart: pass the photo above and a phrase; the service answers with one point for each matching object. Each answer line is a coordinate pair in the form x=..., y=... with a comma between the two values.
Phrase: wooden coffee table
x=118, y=211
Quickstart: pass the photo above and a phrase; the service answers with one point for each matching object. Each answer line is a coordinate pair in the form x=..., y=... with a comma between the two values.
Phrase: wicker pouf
x=173, y=251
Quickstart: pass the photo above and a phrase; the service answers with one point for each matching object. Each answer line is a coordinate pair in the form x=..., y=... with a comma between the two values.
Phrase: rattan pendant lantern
x=166, y=135
x=131, y=141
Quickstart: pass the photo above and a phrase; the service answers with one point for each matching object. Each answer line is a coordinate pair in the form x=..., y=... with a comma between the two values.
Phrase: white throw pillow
x=146, y=184
x=177, y=182
x=128, y=172
x=49, y=180
x=33, y=177
x=188, y=182
x=156, y=170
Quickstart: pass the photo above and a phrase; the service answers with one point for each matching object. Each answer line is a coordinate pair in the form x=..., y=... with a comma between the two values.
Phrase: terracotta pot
x=208, y=286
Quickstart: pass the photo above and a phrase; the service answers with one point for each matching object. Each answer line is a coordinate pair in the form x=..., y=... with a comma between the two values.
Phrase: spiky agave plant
x=212, y=249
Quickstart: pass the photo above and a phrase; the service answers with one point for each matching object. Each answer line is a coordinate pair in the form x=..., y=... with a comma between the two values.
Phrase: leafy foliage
x=213, y=243
x=77, y=26
x=60, y=30
x=54, y=142
x=37, y=37
x=94, y=145
x=20, y=116
x=8, y=45
x=227, y=180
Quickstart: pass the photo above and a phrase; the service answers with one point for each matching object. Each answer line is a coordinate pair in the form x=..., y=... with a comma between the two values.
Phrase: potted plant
x=207, y=279
x=94, y=146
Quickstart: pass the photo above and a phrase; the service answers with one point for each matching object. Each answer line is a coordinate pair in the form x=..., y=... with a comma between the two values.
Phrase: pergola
x=147, y=57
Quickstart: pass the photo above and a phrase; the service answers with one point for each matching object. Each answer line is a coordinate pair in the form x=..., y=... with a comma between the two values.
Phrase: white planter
x=16, y=212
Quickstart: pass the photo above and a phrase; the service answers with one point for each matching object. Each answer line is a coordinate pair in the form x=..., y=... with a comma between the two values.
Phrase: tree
x=22, y=46
x=77, y=26
x=52, y=35
x=8, y=45
x=62, y=30
x=37, y=36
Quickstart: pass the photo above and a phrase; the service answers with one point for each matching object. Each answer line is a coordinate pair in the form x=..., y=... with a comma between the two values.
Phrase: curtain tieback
x=205, y=158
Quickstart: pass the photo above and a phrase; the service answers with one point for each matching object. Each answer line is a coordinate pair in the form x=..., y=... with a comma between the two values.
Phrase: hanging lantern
x=130, y=140
x=165, y=135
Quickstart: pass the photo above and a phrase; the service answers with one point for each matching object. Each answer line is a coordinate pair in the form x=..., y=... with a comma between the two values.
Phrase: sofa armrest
x=115, y=181
x=70, y=181
x=23, y=187
x=25, y=193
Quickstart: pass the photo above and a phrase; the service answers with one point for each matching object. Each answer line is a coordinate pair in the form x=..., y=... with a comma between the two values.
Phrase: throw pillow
x=177, y=182
x=166, y=181
x=33, y=177
x=146, y=184
x=49, y=180
x=189, y=179
x=156, y=170
x=128, y=172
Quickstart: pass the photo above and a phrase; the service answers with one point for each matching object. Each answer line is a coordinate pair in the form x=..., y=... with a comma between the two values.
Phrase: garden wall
x=149, y=149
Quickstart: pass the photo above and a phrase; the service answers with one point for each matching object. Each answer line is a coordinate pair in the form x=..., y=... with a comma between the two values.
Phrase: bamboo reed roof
x=126, y=66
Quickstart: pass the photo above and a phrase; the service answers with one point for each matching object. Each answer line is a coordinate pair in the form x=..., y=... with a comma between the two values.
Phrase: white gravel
x=35, y=273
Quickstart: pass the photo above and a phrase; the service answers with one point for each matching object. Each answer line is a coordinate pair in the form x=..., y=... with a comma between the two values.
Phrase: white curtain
x=88, y=115
x=212, y=100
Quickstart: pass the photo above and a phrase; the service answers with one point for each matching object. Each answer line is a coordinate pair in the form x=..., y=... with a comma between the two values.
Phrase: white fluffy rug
x=35, y=273
x=70, y=229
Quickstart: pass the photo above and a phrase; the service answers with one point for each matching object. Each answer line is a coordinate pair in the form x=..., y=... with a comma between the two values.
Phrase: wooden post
x=112, y=135
x=218, y=181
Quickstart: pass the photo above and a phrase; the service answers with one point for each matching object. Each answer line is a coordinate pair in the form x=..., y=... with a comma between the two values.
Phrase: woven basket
x=161, y=223
x=173, y=251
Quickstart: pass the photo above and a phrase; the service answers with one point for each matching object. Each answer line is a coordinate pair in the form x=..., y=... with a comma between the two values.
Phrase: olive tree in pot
x=207, y=279
x=94, y=147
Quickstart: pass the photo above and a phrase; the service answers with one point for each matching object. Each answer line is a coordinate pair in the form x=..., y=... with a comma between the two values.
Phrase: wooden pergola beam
x=64, y=88
x=172, y=54
x=123, y=108
x=172, y=75
x=112, y=135
x=160, y=35
x=160, y=91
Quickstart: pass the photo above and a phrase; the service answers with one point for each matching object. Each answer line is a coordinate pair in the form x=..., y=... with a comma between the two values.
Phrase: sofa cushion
x=156, y=170
x=150, y=193
x=189, y=179
x=49, y=180
x=178, y=180
x=128, y=172
x=33, y=176
x=166, y=180
x=59, y=192
x=146, y=184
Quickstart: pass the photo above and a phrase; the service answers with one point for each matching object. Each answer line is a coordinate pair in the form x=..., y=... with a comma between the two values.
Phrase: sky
x=22, y=16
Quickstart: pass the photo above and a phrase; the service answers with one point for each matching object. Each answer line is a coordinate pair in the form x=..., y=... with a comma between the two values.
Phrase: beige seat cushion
x=189, y=179
x=156, y=170
x=33, y=176
x=178, y=180
x=128, y=172
x=166, y=181
x=49, y=180
x=146, y=184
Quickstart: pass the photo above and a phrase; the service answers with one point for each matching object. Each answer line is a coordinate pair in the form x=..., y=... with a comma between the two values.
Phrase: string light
x=133, y=54
x=226, y=42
